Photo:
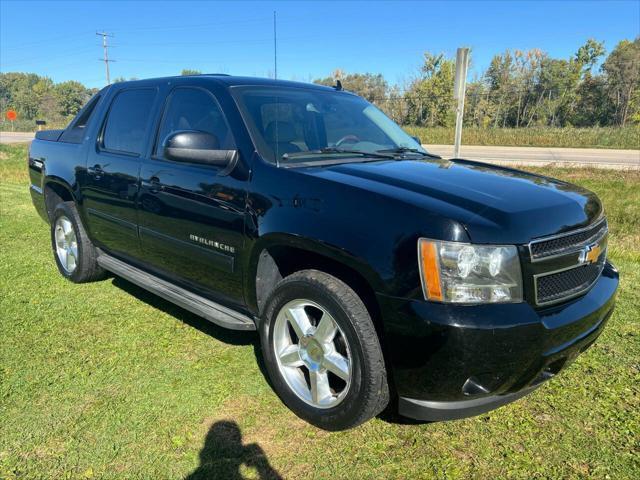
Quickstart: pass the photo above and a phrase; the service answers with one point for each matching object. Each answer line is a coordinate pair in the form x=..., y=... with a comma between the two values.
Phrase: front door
x=110, y=186
x=192, y=216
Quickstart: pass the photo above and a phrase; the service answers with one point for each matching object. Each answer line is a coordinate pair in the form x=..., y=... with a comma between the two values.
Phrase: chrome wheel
x=312, y=353
x=66, y=244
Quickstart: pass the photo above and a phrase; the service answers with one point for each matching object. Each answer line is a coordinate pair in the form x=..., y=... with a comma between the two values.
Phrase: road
x=15, y=137
x=543, y=156
x=511, y=156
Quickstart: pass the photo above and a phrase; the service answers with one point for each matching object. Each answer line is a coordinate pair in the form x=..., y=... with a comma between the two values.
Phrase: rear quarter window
x=127, y=122
x=74, y=133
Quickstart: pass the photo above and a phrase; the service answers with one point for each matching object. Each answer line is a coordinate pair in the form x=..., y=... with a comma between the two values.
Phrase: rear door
x=192, y=216
x=111, y=182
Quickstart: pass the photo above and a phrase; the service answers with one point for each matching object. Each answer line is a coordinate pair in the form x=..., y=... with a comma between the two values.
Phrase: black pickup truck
x=376, y=273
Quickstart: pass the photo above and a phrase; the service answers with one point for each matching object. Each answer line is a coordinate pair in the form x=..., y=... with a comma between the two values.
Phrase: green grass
x=596, y=137
x=106, y=381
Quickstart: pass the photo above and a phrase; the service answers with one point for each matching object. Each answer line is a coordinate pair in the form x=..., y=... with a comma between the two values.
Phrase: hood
x=495, y=204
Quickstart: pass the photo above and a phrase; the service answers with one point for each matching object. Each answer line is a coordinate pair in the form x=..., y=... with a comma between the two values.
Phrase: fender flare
x=60, y=187
x=316, y=248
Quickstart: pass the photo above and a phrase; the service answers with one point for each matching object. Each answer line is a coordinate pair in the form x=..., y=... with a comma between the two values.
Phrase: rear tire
x=75, y=255
x=322, y=351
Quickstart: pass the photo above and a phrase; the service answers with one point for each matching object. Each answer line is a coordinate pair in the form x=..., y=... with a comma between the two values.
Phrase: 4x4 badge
x=590, y=254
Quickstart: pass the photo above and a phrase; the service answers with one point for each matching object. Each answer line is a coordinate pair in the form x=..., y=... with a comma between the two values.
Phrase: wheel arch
x=56, y=191
x=282, y=254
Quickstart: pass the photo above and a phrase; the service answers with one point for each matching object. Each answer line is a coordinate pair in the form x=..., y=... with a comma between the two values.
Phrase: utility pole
x=275, y=48
x=106, y=53
x=459, y=88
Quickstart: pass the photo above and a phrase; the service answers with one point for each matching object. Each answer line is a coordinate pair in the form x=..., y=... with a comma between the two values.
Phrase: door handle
x=96, y=172
x=155, y=185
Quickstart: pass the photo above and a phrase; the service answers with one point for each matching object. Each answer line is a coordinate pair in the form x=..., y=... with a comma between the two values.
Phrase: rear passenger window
x=194, y=109
x=128, y=119
x=75, y=131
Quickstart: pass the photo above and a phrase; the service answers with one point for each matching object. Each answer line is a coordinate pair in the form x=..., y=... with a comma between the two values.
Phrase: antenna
x=275, y=48
x=106, y=53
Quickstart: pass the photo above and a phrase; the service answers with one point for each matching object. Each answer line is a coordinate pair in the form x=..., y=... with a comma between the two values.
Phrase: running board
x=214, y=312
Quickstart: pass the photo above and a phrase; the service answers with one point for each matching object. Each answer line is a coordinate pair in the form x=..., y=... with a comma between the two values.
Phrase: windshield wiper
x=337, y=151
x=401, y=150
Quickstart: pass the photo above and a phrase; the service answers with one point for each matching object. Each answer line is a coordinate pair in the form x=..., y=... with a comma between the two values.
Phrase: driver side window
x=190, y=108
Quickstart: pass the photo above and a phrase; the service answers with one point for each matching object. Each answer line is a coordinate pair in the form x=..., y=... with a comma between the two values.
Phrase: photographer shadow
x=223, y=456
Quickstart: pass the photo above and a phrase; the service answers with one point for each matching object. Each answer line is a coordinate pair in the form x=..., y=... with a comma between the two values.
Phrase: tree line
x=519, y=89
x=34, y=97
x=37, y=97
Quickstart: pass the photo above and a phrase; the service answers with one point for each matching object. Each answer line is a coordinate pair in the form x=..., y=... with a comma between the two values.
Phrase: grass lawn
x=593, y=137
x=106, y=381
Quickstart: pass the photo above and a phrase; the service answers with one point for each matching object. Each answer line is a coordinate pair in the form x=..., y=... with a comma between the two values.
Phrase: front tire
x=75, y=255
x=322, y=351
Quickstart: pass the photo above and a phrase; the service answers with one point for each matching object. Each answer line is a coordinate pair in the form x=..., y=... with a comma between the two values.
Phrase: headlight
x=464, y=273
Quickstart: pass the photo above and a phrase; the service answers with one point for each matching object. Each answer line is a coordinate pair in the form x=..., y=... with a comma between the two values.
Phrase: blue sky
x=58, y=39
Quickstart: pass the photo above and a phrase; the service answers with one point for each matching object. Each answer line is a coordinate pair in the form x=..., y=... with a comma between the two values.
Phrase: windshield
x=295, y=124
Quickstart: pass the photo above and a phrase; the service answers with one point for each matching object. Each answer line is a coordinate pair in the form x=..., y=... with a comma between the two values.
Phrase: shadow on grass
x=390, y=415
x=224, y=456
x=223, y=453
x=231, y=337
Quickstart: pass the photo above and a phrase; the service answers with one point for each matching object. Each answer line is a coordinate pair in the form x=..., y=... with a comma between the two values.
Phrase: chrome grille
x=566, y=284
x=567, y=243
x=568, y=265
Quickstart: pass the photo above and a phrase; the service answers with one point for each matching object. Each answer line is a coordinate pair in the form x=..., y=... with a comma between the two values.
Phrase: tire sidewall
x=64, y=209
x=341, y=415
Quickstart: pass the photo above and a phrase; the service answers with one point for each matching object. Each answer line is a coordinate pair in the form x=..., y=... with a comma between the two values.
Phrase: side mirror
x=193, y=146
x=417, y=139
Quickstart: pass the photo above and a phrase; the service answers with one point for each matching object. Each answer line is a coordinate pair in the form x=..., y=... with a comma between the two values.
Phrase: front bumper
x=452, y=361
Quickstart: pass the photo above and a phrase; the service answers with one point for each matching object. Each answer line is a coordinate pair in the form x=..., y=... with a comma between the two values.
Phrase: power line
x=49, y=58
x=256, y=41
x=48, y=41
x=199, y=61
x=106, y=53
x=191, y=26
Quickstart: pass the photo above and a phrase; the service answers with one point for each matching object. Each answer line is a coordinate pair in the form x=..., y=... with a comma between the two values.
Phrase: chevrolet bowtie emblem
x=590, y=254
